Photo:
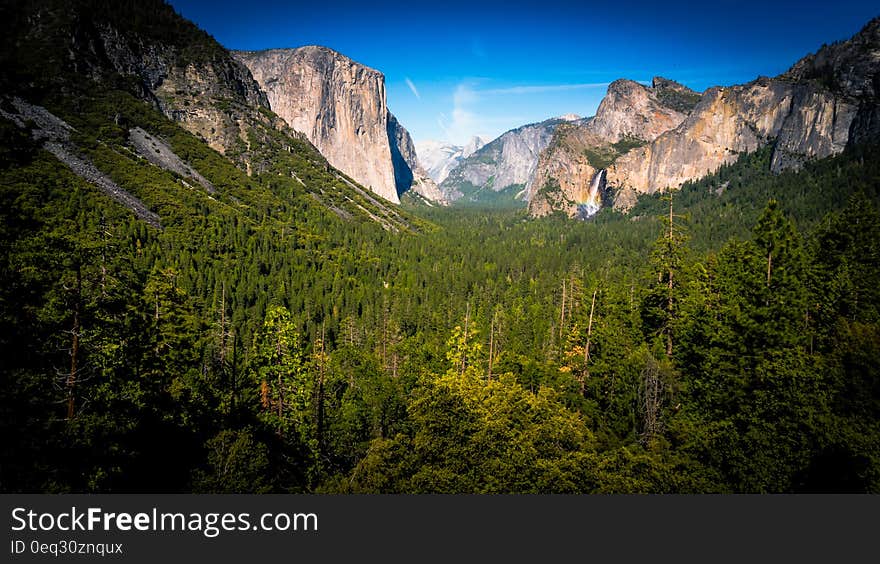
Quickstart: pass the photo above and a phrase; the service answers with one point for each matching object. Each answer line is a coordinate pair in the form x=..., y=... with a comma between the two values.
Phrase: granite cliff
x=341, y=108
x=822, y=104
x=630, y=115
x=657, y=138
x=57, y=56
x=507, y=164
x=408, y=172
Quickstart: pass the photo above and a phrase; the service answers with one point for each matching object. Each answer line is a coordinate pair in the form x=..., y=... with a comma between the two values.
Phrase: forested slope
x=280, y=330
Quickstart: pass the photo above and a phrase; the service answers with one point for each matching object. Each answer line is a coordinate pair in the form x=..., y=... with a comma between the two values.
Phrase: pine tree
x=279, y=367
x=660, y=309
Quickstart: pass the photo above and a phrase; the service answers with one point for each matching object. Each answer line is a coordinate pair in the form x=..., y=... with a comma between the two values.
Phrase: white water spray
x=593, y=202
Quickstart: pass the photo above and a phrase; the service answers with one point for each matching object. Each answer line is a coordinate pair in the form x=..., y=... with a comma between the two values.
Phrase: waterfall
x=593, y=201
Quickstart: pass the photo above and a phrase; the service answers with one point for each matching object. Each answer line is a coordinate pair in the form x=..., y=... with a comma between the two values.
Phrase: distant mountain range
x=643, y=139
x=502, y=168
x=439, y=158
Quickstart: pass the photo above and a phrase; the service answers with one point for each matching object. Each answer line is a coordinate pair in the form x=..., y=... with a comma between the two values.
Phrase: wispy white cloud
x=412, y=87
x=542, y=89
x=466, y=118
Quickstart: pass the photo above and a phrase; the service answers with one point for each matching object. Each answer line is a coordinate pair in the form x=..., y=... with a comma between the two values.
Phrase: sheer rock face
x=805, y=120
x=337, y=103
x=189, y=93
x=509, y=160
x=408, y=172
x=823, y=103
x=630, y=109
x=629, y=115
x=564, y=173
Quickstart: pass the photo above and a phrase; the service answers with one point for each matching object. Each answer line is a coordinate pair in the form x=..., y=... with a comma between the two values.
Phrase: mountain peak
x=847, y=67
x=662, y=83
x=317, y=55
x=337, y=103
x=472, y=146
x=631, y=109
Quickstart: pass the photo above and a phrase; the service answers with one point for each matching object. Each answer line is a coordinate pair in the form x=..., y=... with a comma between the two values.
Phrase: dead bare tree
x=74, y=346
x=651, y=390
x=562, y=309
x=586, y=372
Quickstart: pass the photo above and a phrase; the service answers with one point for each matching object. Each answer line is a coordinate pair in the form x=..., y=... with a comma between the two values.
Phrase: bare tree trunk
x=321, y=397
x=104, y=234
x=223, y=327
x=280, y=396
x=74, y=348
x=467, y=316
x=562, y=315
x=586, y=373
x=491, y=344
x=669, y=318
x=264, y=394
x=385, y=335
x=232, y=370
x=651, y=391
x=280, y=381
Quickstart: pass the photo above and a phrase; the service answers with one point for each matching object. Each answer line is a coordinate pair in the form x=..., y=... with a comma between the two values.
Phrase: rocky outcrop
x=170, y=63
x=211, y=95
x=823, y=103
x=804, y=120
x=439, y=158
x=632, y=110
x=408, y=172
x=507, y=163
x=99, y=54
x=564, y=172
x=630, y=115
x=340, y=106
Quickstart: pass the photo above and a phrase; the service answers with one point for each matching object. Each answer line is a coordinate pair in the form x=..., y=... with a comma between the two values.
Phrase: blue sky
x=456, y=69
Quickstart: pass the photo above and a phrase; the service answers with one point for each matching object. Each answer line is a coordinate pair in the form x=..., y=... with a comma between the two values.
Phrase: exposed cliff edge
x=91, y=55
x=340, y=106
x=408, y=172
x=658, y=138
x=568, y=176
x=507, y=163
x=822, y=104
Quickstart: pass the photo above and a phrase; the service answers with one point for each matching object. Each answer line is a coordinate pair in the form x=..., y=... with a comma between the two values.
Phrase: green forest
x=273, y=346
x=721, y=338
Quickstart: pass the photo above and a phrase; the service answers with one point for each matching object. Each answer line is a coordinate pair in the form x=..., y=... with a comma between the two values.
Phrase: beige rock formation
x=337, y=103
x=630, y=115
x=630, y=109
x=822, y=104
x=805, y=121
x=564, y=174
